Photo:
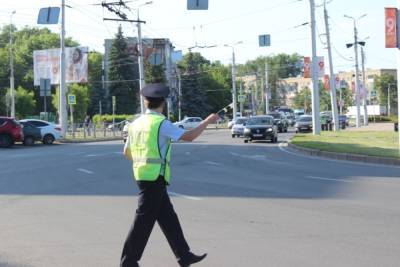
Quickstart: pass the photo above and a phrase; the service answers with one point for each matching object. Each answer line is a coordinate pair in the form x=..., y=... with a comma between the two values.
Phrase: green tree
x=95, y=86
x=154, y=73
x=302, y=100
x=381, y=85
x=122, y=76
x=24, y=102
x=81, y=93
x=194, y=97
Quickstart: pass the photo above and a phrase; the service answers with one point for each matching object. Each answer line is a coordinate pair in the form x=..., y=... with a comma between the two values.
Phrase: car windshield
x=305, y=118
x=260, y=121
x=275, y=115
x=240, y=121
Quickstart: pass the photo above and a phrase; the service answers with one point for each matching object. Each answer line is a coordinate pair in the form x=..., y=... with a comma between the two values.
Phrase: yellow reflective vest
x=148, y=163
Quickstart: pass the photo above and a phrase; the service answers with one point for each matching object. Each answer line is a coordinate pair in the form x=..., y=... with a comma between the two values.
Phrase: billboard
x=307, y=67
x=46, y=65
x=390, y=27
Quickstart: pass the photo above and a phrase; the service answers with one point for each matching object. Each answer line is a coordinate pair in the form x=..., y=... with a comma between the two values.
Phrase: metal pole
x=241, y=95
x=234, y=83
x=388, y=99
x=140, y=61
x=179, y=96
x=100, y=108
x=62, y=101
x=357, y=81
x=340, y=101
x=266, y=89
x=314, y=69
x=332, y=75
x=364, y=86
x=12, y=89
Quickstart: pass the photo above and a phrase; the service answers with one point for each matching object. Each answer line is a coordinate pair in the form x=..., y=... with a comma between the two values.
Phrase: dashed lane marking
x=213, y=163
x=183, y=196
x=85, y=171
x=328, y=179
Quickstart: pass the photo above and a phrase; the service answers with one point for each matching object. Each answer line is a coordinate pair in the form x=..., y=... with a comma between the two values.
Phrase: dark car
x=260, y=128
x=343, y=120
x=280, y=121
x=31, y=133
x=303, y=124
x=10, y=132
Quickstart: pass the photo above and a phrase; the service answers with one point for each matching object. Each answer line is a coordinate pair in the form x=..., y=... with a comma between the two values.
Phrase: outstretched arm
x=196, y=132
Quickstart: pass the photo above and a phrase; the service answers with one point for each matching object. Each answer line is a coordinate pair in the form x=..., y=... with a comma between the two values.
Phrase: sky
x=227, y=22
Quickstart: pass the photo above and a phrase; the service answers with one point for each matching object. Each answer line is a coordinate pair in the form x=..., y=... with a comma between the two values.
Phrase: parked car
x=10, y=132
x=50, y=132
x=189, y=123
x=261, y=127
x=303, y=124
x=31, y=133
x=280, y=121
x=238, y=128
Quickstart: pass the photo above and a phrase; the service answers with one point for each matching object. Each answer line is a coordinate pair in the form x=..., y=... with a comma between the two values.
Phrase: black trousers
x=154, y=205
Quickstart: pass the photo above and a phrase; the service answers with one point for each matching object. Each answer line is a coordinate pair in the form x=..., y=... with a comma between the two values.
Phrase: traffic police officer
x=149, y=147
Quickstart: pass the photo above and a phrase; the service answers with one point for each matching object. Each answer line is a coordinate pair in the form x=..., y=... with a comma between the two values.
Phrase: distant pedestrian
x=88, y=124
x=149, y=146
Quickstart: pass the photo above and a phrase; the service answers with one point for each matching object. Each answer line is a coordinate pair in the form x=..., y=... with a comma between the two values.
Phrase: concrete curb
x=345, y=156
x=77, y=141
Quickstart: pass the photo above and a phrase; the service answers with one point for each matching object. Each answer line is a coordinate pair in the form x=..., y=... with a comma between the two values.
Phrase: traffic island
x=368, y=147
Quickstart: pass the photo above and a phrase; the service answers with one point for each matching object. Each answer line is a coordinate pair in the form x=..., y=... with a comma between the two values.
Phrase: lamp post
x=234, y=98
x=357, y=78
x=12, y=89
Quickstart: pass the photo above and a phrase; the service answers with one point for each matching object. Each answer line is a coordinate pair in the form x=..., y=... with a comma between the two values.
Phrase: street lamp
x=357, y=81
x=12, y=89
x=233, y=77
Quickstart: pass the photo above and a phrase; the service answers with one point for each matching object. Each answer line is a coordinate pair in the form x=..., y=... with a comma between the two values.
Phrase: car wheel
x=180, y=126
x=6, y=141
x=285, y=130
x=233, y=136
x=276, y=139
x=29, y=141
x=246, y=141
x=48, y=139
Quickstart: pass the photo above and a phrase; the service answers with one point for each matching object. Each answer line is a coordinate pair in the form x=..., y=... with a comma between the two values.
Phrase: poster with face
x=46, y=64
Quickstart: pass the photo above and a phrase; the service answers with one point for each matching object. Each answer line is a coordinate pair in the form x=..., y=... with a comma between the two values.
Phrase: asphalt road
x=253, y=205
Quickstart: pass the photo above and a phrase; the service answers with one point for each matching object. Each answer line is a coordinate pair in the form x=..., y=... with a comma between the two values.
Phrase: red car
x=10, y=132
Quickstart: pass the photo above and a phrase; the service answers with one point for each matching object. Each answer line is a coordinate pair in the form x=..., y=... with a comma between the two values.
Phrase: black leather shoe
x=190, y=259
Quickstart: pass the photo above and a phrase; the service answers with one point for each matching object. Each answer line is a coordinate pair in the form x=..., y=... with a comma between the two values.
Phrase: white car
x=233, y=122
x=49, y=131
x=238, y=128
x=189, y=123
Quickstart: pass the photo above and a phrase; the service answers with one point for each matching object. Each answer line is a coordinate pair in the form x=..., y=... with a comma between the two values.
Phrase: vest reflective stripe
x=148, y=163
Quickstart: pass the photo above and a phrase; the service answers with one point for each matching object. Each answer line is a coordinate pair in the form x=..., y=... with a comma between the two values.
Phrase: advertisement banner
x=46, y=65
x=307, y=67
x=390, y=27
x=321, y=67
x=326, y=82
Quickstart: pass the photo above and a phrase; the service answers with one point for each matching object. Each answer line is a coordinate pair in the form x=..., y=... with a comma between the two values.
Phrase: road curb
x=345, y=156
x=69, y=141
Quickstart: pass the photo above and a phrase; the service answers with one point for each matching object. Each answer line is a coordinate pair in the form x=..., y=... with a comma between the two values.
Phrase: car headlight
x=269, y=130
x=247, y=130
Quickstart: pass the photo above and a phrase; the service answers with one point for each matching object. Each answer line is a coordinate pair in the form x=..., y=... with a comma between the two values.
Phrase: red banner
x=326, y=82
x=391, y=27
x=307, y=67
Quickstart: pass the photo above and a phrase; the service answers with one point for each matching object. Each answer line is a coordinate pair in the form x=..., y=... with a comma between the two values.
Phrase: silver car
x=238, y=128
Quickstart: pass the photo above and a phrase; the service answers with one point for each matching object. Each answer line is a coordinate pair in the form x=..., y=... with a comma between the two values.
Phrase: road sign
x=264, y=40
x=48, y=15
x=71, y=100
x=45, y=87
x=197, y=4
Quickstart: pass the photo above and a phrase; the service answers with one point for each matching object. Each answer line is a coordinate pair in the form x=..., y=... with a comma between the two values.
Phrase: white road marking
x=213, y=163
x=183, y=196
x=329, y=179
x=85, y=171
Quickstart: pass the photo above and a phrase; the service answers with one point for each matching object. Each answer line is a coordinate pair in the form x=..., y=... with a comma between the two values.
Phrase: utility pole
x=364, y=86
x=332, y=75
x=266, y=88
x=241, y=95
x=234, y=84
x=12, y=89
x=63, y=116
x=388, y=99
x=357, y=78
x=314, y=69
x=124, y=18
